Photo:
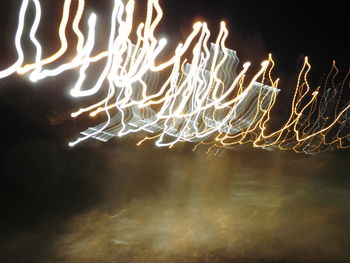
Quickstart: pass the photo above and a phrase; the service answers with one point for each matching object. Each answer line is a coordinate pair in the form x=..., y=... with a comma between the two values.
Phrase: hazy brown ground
x=130, y=204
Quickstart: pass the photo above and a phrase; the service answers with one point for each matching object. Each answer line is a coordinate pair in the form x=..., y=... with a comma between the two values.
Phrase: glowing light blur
x=197, y=95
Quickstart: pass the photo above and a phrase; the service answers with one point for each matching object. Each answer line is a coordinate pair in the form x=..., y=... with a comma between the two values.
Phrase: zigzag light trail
x=194, y=96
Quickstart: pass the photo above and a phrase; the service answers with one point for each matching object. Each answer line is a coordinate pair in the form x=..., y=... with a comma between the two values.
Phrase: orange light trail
x=196, y=95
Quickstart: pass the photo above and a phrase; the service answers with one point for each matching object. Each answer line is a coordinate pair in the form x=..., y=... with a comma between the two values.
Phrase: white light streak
x=194, y=96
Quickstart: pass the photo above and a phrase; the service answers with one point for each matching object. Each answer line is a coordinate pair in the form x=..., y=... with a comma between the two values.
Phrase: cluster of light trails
x=200, y=94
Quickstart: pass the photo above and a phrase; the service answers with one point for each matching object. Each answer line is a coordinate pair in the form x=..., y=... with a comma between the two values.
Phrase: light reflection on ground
x=187, y=207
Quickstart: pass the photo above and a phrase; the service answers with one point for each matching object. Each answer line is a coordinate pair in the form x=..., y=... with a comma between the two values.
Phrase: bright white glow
x=196, y=95
x=12, y=69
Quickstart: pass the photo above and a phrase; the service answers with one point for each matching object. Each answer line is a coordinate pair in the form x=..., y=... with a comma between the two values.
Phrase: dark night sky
x=43, y=181
x=288, y=29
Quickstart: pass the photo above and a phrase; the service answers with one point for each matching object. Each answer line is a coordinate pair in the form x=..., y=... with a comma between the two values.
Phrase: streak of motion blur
x=199, y=94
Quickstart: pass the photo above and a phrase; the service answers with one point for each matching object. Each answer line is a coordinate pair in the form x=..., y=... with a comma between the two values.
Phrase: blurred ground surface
x=122, y=203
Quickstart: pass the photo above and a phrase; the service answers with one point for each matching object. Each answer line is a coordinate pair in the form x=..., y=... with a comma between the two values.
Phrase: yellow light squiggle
x=196, y=95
